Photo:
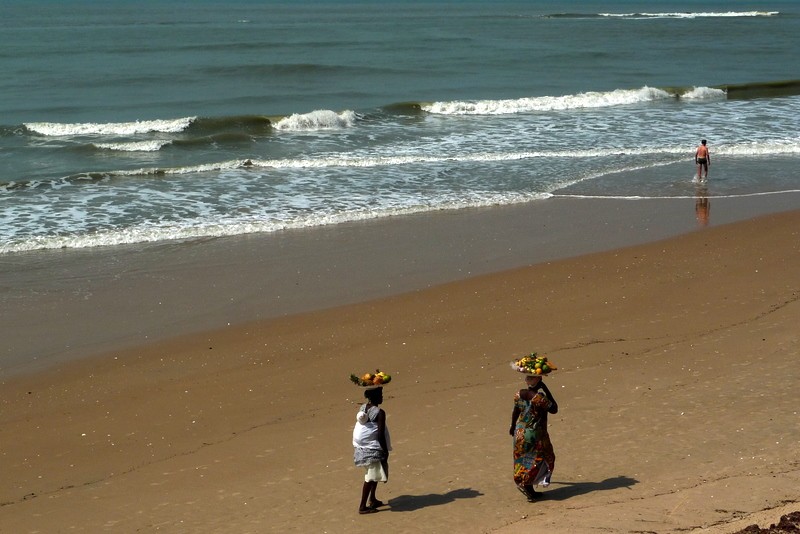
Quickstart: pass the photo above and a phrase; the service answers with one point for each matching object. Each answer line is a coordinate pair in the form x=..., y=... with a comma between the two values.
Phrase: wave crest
x=703, y=93
x=618, y=97
x=322, y=119
x=56, y=129
x=137, y=146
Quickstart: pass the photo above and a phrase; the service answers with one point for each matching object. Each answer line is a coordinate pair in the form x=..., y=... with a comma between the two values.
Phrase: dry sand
x=676, y=386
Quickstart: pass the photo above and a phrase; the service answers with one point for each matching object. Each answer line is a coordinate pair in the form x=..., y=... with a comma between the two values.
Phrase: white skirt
x=376, y=473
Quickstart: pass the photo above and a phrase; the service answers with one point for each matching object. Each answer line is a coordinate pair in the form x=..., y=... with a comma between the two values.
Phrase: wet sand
x=58, y=306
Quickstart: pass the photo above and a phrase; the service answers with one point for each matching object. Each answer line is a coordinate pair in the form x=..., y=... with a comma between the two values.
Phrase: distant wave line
x=617, y=97
x=328, y=119
x=323, y=119
x=692, y=15
x=56, y=129
x=593, y=99
x=665, y=15
x=314, y=120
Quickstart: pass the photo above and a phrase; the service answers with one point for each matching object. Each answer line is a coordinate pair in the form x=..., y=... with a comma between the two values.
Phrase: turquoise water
x=125, y=122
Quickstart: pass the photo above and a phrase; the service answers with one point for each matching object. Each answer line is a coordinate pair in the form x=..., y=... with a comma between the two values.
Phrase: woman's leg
x=372, y=492
x=367, y=492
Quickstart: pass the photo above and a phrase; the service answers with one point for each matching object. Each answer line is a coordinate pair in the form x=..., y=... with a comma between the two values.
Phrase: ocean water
x=126, y=121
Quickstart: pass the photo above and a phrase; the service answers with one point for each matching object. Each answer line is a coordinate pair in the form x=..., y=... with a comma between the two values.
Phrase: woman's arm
x=514, y=416
x=553, y=404
x=380, y=420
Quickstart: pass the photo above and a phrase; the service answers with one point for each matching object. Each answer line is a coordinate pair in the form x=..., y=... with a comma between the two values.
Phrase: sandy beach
x=226, y=407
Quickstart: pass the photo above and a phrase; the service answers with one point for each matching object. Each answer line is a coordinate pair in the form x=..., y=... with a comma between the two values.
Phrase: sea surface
x=138, y=121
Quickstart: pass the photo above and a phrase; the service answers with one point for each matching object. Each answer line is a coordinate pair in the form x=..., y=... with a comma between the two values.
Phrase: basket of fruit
x=534, y=364
x=371, y=380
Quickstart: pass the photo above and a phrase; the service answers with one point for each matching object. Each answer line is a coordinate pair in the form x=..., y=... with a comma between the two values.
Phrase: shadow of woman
x=567, y=490
x=409, y=503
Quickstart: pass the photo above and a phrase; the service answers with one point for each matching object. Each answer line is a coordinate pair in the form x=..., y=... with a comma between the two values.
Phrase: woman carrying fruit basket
x=371, y=440
x=534, y=458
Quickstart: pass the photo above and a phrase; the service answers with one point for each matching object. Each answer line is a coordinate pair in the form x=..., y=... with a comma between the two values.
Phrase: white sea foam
x=56, y=129
x=370, y=161
x=307, y=209
x=138, y=146
x=762, y=148
x=703, y=93
x=156, y=171
x=776, y=147
x=480, y=157
x=619, y=97
x=193, y=229
x=387, y=161
x=321, y=119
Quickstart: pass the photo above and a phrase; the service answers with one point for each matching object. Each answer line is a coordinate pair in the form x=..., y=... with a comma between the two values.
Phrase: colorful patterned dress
x=534, y=458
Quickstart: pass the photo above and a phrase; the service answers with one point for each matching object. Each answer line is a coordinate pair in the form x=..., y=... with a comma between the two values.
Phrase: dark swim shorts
x=701, y=161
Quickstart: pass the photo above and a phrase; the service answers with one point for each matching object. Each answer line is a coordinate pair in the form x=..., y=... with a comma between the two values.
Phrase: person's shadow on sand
x=567, y=490
x=409, y=503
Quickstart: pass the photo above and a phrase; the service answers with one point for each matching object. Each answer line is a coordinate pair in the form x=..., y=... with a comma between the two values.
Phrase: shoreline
x=661, y=348
x=99, y=300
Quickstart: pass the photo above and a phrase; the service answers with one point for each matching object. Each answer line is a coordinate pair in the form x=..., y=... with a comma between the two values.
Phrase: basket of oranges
x=378, y=378
x=534, y=364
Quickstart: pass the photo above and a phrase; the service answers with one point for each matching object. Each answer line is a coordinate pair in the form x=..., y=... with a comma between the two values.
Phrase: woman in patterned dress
x=534, y=458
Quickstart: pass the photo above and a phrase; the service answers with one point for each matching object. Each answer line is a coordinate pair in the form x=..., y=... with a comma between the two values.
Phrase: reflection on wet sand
x=702, y=206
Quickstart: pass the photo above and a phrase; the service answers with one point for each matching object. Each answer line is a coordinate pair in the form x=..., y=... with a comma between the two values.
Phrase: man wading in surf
x=703, y=160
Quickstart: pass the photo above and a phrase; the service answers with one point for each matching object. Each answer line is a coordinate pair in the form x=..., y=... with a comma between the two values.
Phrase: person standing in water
x=703, y=159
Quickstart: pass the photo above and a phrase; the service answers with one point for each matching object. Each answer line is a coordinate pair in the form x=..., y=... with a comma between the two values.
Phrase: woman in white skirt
x=372, y=445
